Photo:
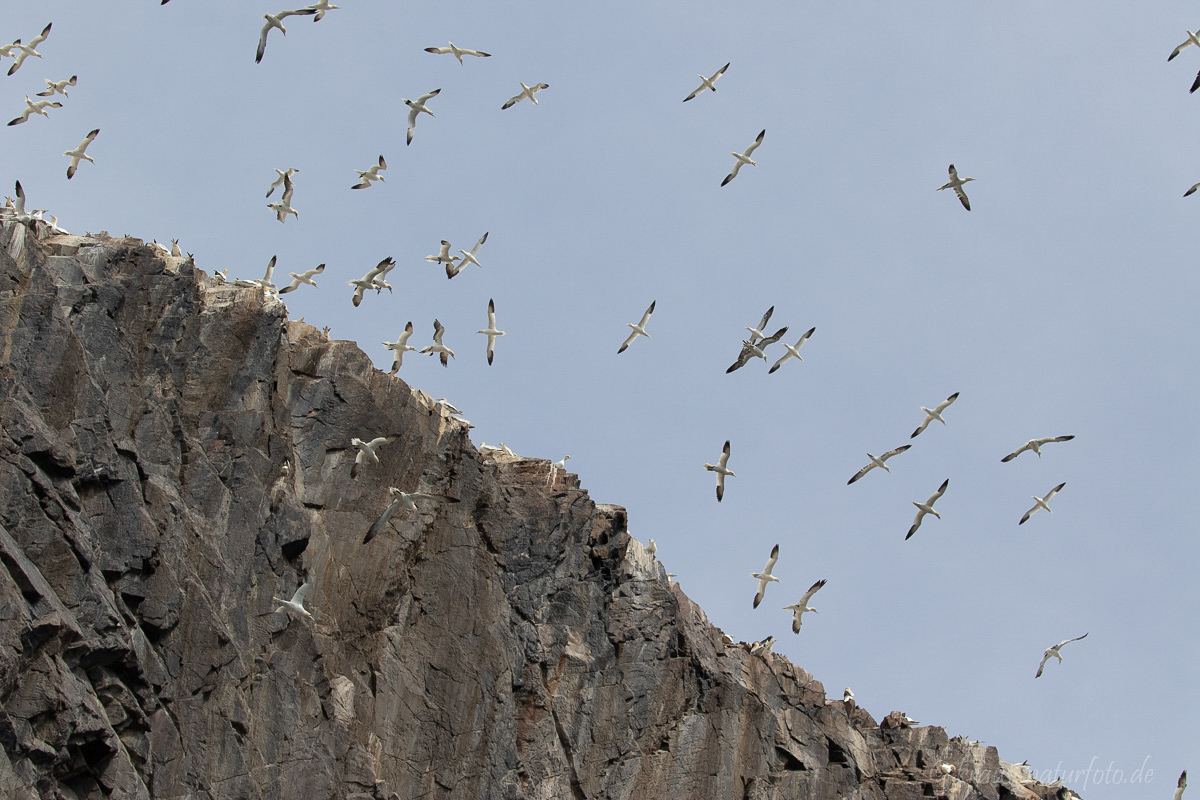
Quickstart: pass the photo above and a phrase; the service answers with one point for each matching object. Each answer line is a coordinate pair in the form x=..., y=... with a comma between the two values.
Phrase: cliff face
x=517, y=644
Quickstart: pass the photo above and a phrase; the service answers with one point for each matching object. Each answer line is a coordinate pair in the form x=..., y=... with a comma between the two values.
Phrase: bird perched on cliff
x=1052, y=652
x=34, y=107
x=437, y=347
x=491, y=332
x=457, y=52
x=58, y=87
x=526, y=91
x=934, y=413
x=80, y=152
x=18, y=207
x=793, y=350
x=400, y=347
x=296, y=604
x=956, y=184
x=763, y=647
x=744, y=158
x=1041, y=502
x=1036, y=446
x=1180, y=786
x=366, y=450
x=305, y=277
x=799, y=608
x=283, y=206
x=417, y=107
x=765, y=576
x=20, y=52
x=878, y=461
x=946, y=769
x=651, y=547
x=279, y=181
x=365, y=176
x=848, y=698
x=276, y=21
x=554, y=468
x=926, y=508
x=721, y=470
x=405, y=500
x=639, y=329
x=707, y=83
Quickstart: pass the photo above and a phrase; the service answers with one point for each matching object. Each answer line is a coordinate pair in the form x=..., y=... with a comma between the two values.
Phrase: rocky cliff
x=174, y=453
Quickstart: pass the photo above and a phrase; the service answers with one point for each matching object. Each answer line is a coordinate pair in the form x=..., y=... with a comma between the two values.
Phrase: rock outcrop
x=175, y=453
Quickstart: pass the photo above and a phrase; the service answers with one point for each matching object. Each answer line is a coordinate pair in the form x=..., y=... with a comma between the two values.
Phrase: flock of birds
x=752, y=347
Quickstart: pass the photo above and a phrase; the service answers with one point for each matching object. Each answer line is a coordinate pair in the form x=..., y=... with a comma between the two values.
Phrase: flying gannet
x=79, y=153
x=755, y=349
x=443, y=256
x=707, y=83
x=18, y=207
x=279, y=181
x=1191, y=40
x=526, y=91
x=799, y=608
x=1052, y=652
x=877, y=462
x=365, y=176
x=927, y=508
x=405, y=500
x=284, y=206
x=437, y=347
x=759, y=332
x=458, y=52
x=320, y=7
x=491, y=332
x=721, y=470
x=793, y=351
x=24, y=51
x=1180, y=786
x=956, y=184
x=34, y=107
x=58, y=87
x=366, y=450
x=468, y=257
x=276, y=21
x=639, y=329
x=934, y=413
x=400, y=347
x=415, y=108
x=305, y=277
x=264, y=283
x=374, y=279
x=744, y=158
x=1036, y=446
x=765, y=576
x=296, y=604
x=1042, y=502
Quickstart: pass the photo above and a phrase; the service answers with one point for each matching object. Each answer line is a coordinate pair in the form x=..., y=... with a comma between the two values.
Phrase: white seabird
x=651, y=546
x=956, y=184
x=283, y=206
x=279, y=181
x=34, y=107
x=405, y=500
x=80, y=153
x=448, y=406
x=1052, y=652
x=458, y=52
x=763, y=647
x=755, y=349
x=490, y=331
x=24, y=51
x=296, y=604
x=416, y=107
x=365, y=176
x=744, y=158
x=443, y=256
x=1041, y=502
x=1036, y=446
x=877, y=462
x=927, y=508
x=526, y=91
x=639, y=329
x=721, y=470
x=468, y=257
x=374, y=279
x=320, y=7
x=264, y=283
x=305, y=277
x=18, y=207
x=758, y=333
x=1180, y=786
x=366, y=450
x=934, y=413
x=276, y=21
x=765, y=576
x=437, y=346
x=848, y=696
x=58, y=87
x=554, y=468
x=707, y=83
x=400, y=347
x=799, y=608
x=793, y=351
x=1191, y=40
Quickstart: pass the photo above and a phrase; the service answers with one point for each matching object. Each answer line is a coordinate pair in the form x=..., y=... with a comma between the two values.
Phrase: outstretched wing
x=374, y=530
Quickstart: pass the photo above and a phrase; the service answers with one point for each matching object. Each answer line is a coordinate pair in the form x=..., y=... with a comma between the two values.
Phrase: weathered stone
x=517, y=644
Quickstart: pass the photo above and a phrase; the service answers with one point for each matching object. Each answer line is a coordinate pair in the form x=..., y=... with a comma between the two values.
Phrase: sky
x=1062, y=303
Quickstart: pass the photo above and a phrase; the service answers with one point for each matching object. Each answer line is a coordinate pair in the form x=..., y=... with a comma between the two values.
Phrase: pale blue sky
x=1064, y=303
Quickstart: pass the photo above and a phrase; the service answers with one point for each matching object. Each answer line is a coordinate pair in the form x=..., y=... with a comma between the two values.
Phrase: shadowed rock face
x=517, y=644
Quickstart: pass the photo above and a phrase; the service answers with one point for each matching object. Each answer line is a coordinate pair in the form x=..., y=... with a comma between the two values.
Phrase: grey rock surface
x=517, y=644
